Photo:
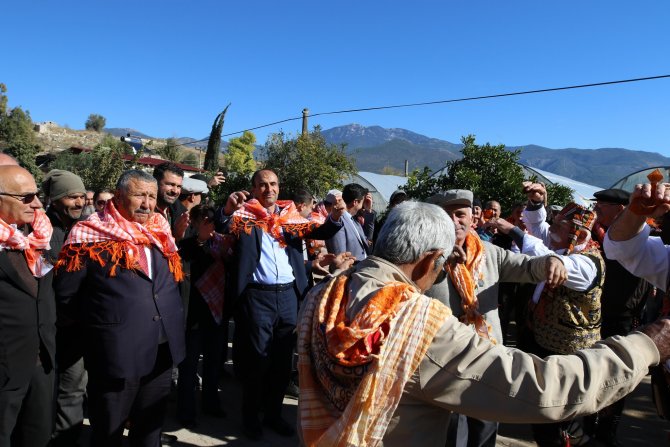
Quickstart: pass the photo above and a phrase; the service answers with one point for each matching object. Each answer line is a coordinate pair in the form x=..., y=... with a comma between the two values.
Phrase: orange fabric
x=352, y=373
x=465, y=278
x=112, y=233
x=253, y=214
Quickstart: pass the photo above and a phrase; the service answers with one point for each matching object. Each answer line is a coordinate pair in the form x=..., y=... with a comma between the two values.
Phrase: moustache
x=142, y=211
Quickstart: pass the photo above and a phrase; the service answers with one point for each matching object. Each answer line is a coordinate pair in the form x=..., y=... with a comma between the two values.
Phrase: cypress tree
x=214, y=143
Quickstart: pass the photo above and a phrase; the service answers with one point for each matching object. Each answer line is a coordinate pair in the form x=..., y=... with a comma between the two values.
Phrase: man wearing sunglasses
x=27, y=313
x=66, y=197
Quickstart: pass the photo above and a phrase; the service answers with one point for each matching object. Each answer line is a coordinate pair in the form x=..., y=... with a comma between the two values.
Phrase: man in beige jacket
x=349, y=395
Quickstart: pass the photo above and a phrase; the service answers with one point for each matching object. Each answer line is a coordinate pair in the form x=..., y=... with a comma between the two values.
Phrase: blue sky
x=168, y=67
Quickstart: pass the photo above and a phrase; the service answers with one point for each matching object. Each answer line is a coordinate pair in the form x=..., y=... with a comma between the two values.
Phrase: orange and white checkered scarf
x=32, y=244
x=352, y=373
x=465, y=278
x=288, y=220
x=110, y=232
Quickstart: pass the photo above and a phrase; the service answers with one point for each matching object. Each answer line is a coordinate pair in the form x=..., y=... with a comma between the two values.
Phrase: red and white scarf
x=32, y=245
x=110, y=232
x=288, y=220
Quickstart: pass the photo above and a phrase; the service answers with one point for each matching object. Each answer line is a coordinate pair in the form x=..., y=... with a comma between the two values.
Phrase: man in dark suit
x=270, y=278
x=353, y=237
x=117, y=275
x=27, y=314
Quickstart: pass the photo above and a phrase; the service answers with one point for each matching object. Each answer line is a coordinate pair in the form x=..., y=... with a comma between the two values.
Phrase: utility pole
x=305, y=114
x=406, y=168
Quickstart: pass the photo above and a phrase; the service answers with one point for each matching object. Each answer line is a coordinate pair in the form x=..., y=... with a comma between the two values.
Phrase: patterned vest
x=565, y=320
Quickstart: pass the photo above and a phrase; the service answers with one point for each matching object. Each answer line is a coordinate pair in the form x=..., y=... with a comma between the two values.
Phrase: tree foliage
x=239, y=163
x=99, y=168
x=95, y=122
x=490, y=172
x=171, y=151
x=17, y=136
x=190, y=159
x=307, y=162
x=214, y=144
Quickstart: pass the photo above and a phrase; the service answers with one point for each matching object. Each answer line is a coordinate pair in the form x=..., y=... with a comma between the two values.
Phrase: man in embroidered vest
x=270, y=277
x=117, y=276
x=27, y=314
x=380, y=362
x=471, y=291
x=568, y=318
x=66, y=194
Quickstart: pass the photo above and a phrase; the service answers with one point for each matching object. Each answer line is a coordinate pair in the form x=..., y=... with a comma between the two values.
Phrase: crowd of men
x=109, y=297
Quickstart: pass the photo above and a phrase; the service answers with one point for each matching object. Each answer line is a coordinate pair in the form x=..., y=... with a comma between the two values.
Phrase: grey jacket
x=463, y=372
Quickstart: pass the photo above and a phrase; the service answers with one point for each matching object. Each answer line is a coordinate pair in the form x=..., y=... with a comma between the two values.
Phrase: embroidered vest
x=565, y=320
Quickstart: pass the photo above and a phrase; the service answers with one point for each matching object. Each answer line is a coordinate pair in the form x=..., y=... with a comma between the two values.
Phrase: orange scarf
x=465, y=278
x=352, y=373
x=288, y=220
x=110, y=232
x=32, y=245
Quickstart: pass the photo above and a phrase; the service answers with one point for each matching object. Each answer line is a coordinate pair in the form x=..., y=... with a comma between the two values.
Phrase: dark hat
x=58, y=184
x=397, y=193
x=613, y=196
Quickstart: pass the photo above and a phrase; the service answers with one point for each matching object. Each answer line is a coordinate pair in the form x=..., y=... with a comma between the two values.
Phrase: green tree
x=239, y=163
x=214, y=143
x=17, y=137
x=95, y=122
x=307, y=162
x=171, y=151
x=559, y=194
x=490, y=172
x=190, y=159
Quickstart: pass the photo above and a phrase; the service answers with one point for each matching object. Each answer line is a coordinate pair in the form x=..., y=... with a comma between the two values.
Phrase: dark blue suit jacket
x=248, y=254
x=121, y=315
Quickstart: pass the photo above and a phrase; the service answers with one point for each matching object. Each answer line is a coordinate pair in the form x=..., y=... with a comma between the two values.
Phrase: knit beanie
x=58, y=184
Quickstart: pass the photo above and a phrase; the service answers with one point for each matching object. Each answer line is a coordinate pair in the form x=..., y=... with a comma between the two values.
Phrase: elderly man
x=271, y=276
x=27, y=313
x=567, y=318
x=471, y=291
x=380, y=361
x=117, y=276
x=66, y=194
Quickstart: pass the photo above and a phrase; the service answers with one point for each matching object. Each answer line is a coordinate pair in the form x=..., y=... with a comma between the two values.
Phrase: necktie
x=142, y=259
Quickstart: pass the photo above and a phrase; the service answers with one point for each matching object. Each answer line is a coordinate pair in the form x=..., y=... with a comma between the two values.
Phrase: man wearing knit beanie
x=66, y=195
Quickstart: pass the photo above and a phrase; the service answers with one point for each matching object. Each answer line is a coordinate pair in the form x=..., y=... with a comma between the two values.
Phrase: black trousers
x=465, y=431
x=26, y=412
x=264, y=337
x=142, y=401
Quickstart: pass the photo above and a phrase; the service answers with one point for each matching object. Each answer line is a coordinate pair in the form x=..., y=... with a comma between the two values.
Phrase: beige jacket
x=465, y=373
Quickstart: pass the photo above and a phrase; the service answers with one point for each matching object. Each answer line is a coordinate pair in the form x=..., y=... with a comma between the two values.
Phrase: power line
x=447, y=101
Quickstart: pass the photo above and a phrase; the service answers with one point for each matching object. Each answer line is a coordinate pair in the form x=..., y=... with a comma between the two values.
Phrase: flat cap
x=332, y=196
x=452, y=197
x=194, y=186
x=613, y=195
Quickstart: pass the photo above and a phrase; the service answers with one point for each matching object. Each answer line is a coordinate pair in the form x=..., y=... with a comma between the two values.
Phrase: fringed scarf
x=109, y=232
x=352, y=373
x=32, y=245
x=288, y=220
x=465, y=278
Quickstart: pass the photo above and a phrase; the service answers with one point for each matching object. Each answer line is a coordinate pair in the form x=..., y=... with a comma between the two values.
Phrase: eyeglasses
x=25, y=198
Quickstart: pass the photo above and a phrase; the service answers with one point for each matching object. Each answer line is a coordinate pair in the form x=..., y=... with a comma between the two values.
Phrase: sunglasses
x=25, y=198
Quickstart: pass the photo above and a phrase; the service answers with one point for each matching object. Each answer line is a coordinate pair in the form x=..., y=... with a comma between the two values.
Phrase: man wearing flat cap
x=471, y=291
x=66, y=195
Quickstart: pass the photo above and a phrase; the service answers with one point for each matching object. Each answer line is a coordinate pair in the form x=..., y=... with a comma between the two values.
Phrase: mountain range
x=377, y=149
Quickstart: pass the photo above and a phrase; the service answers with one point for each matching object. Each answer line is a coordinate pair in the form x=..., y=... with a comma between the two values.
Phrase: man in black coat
x=27, y=314
x=117, y=275
x=270, y=278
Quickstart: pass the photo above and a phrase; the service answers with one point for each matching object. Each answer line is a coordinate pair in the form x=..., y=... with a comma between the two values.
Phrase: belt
x=270, y=287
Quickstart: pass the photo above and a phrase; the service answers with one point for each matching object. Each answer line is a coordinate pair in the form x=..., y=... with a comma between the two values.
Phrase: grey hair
x=412, y=229
x=133, y=174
